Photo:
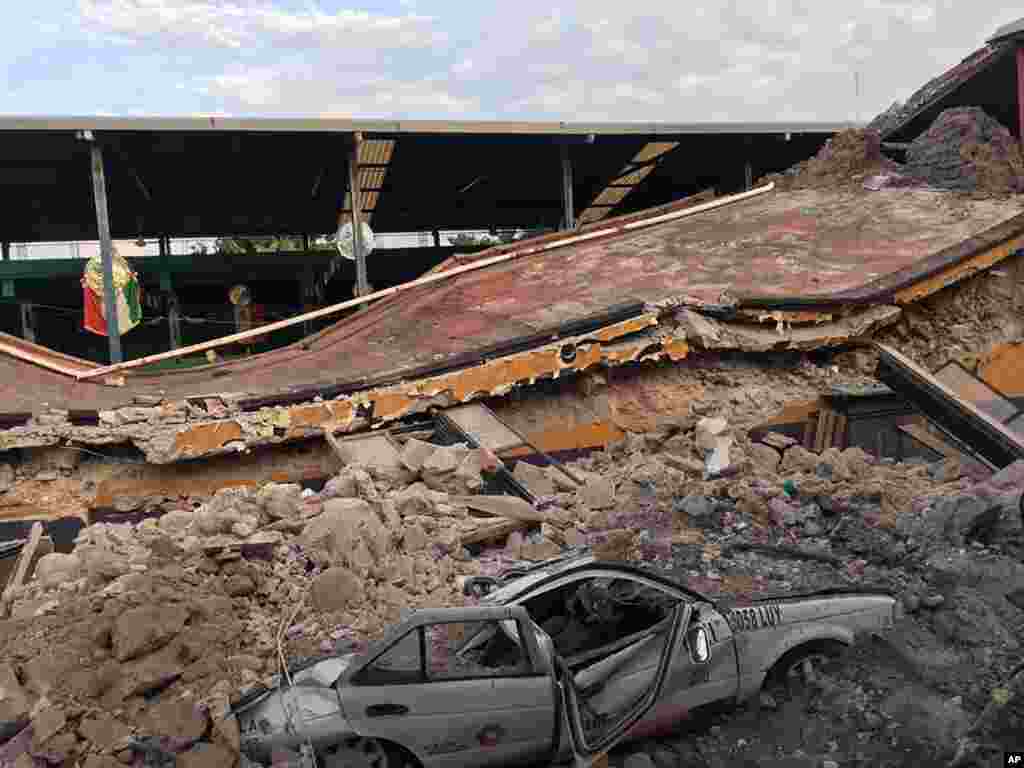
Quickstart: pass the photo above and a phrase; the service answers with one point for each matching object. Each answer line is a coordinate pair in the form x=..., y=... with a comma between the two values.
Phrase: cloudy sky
x=657, y=60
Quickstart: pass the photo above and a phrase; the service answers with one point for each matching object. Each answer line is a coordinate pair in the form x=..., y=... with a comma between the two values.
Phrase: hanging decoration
x=127, y=295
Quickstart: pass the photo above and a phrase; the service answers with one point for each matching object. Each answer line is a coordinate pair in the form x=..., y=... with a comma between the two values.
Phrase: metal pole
x=437, y=238
x=99, y=187
x=28, y=331
x=362, y=282
x=568, y=209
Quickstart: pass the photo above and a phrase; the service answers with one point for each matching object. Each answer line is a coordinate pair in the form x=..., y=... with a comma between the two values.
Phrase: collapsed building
x=694, y=385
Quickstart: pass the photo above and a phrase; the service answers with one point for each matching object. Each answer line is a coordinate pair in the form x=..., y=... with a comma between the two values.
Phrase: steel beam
x=99, y=187
x=28, y=330
x=362, y=281
x=1020, y=91
x=568, y=209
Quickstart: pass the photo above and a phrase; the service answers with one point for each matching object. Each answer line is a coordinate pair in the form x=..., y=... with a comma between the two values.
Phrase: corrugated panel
x=371, y=178
x=638, y=169
x=655, y=149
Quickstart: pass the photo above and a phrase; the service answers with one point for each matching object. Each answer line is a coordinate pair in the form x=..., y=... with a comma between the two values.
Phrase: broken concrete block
x=468, y=476
x=798, y=459
x=596, y=493
x=439, y=468
x=708, y=431
x=47, y=724
x=560, y=480
x=335, y=589
x=415, y=539
x=538, y=551
x=415, y=500
x=280, y=501
x=511, y=507
x=177, y=521
x=537, y=480
x=765, y=457
x=415, y=453
x=141, y=630
x=778, y=440
x=56, y=568
x=15, y=703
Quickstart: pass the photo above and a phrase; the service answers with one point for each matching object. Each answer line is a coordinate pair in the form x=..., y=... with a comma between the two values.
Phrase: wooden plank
x=810, y=426
x=503, y=506
x=25, y=559
x=491, y=531
x=839, y=437
x=920, y=432
x=419, y=282
x=485, y=427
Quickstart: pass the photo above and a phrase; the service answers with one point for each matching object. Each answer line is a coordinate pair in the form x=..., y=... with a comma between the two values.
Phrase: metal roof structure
x=1013, y=30
x=198, y=176
x=774, y=251
x=987, y=78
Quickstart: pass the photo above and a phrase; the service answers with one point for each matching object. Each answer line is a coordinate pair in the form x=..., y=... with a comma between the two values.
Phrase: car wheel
x=357, y=752
x=802, y=670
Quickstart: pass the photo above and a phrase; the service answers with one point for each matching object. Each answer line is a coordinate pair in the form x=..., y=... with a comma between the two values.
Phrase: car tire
x=800, y=668
x=358, y=752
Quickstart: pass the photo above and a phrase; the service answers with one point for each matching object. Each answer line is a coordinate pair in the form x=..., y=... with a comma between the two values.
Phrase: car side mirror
x=700, y=647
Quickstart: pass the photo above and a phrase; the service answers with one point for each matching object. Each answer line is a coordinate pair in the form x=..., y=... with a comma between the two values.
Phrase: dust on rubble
x=848, y=158
x=151, y=629
x=964, y=150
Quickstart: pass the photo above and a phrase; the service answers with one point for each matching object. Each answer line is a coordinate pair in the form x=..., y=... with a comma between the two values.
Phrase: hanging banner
x=127, y=296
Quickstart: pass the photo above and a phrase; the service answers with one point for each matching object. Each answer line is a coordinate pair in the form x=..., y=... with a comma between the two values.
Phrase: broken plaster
x=163, y=438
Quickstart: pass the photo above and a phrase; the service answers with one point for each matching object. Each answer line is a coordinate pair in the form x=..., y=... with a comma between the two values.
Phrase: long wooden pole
x=418, y=283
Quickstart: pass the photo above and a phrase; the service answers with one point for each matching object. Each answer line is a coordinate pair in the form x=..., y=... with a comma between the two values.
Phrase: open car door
x=592, y=733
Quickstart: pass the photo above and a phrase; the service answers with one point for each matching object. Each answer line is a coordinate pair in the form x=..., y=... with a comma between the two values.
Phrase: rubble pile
x=136, y=643
x=967, y=150
x=847, y=158
x=963, y=322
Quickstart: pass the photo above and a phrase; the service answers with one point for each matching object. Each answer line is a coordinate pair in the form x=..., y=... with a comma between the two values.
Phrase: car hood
x=321, y=674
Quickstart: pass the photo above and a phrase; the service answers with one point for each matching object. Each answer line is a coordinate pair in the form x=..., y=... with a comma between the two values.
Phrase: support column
x=1020, y=91
x=167, y=286
x=99, y=187
x=437, y=238
x=355, y=193
x=748, y=170
x=28, y=328
x=568, y=208
x=7, y=250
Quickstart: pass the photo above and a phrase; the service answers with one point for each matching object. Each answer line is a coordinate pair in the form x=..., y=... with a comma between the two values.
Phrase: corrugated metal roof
x=1008, y=31
x=325, y=124
x=849, y=246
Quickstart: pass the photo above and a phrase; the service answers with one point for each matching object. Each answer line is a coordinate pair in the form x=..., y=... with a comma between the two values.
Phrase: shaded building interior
x=199, y=178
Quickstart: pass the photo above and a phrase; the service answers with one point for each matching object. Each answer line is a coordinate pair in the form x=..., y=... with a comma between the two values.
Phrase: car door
x=590, y=738
x=691, y=685
x=462, y=687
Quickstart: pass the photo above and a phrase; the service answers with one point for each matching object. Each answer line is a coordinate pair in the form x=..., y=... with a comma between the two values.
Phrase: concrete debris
x=150, y=629
x=967, y=150
x=537, y=481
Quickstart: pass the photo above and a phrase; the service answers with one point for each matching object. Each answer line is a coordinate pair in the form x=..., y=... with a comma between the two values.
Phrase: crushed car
x=557, y=664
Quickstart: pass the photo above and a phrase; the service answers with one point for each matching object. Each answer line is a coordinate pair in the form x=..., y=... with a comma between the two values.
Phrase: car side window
x=473, y=649
x=401, y=663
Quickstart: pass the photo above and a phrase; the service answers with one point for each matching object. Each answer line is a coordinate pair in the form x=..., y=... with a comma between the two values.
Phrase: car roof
x=545, y=573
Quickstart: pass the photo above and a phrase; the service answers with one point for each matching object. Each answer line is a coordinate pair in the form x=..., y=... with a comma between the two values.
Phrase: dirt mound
x=967, y=150
x=847, y=158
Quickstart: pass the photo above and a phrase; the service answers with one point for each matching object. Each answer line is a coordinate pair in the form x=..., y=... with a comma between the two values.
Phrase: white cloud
x=652, y=60
x=237, y=24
